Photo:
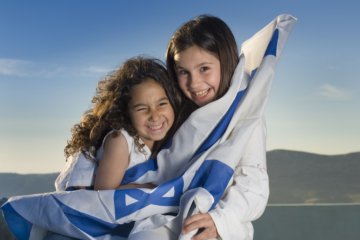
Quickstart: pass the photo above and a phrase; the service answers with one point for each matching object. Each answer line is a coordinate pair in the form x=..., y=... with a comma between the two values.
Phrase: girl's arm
x=113, y=164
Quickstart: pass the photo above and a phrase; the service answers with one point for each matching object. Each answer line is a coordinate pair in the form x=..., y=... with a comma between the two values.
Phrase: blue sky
x=53, y=53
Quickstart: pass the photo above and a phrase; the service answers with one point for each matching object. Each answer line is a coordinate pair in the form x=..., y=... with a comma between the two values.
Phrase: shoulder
x=114, y=137
x=118, y=138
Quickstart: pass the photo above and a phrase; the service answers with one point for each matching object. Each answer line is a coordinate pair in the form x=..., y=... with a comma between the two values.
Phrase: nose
x=194, y=80
x=154, y=115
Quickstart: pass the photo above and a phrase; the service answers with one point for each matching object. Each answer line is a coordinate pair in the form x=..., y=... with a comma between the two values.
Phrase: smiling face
x=150, y=111
x=198, y=73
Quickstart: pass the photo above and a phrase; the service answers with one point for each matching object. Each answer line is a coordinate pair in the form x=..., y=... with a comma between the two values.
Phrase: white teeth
x=155, y=127
x=201, y=93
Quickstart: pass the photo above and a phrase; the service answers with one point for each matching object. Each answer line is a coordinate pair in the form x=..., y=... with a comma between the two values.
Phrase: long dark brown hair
x=209, y=33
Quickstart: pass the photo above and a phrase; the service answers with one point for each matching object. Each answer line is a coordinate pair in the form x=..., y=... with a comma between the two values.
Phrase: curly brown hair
x=110, y=104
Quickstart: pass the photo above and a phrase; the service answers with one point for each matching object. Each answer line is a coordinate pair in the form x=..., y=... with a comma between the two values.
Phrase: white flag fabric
x=193, y=172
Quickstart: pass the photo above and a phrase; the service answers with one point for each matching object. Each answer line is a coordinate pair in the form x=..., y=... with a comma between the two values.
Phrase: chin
x=158, y=137
x=203, y=103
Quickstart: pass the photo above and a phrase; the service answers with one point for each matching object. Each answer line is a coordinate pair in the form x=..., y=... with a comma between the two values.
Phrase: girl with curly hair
x=132, y=115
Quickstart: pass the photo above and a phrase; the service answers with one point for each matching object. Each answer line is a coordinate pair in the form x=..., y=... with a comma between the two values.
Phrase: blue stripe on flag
x=143, y=199
x=133, y=173
x=213, y=175
x=253, y=72
x=219, y=130
x=18, y=225
x=272, y=47
x=167, y=144
x=94, y=226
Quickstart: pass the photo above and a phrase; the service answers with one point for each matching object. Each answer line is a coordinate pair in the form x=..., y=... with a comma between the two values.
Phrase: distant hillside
x=299, y=177
x=12, y=184
x=295, y=177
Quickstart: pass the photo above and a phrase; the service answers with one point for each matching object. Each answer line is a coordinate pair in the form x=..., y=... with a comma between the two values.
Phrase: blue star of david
x=144, y=199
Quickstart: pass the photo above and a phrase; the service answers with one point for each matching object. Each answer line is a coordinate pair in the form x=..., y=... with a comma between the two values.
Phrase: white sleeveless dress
x=79, y=171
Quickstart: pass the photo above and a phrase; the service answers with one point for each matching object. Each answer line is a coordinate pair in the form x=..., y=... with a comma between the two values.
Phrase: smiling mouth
x=201, y=93
x=156, y=127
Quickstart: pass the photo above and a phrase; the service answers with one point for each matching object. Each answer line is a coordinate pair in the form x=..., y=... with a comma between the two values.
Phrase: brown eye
x=204, y=69
x=181, y=72
x=164, y=103
x=140, y=109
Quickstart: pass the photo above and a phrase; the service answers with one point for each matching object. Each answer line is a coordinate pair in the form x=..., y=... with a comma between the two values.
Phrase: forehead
x=194, y=55
x=147, y=89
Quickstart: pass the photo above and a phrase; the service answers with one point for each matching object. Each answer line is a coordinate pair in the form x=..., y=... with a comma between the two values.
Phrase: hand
x=201, y=221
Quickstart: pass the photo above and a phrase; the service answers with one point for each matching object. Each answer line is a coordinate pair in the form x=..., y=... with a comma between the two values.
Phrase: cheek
x=216, y=82
x=135, y=119
x=172, y=115
x=182, y=84
x=168, y=113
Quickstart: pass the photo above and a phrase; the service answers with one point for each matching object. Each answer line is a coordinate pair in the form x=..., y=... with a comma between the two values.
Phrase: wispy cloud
x=332, y=92
x=24, y=68
x=14, y=67
x=97, y=69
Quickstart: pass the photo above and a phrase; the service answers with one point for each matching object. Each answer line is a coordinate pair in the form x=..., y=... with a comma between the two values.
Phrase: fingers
x=196, y=219
x=194, y=222
x=202, y=222
x=208, y=233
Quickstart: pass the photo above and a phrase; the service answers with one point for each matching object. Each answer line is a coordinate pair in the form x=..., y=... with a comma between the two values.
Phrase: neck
x=148, y=143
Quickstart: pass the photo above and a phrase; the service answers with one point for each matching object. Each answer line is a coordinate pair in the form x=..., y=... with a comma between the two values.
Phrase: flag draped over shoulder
x=208, y=145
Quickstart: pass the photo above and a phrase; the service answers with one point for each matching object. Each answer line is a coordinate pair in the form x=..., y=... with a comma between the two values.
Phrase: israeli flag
x=193, y=172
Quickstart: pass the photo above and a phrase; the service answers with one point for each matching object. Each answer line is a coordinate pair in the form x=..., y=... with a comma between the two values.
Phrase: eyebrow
x=162, y=99
x=144, y=105
x=138, y=105
x=196, y=66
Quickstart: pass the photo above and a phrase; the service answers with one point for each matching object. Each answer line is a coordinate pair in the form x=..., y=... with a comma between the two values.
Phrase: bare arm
x=113, y=164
